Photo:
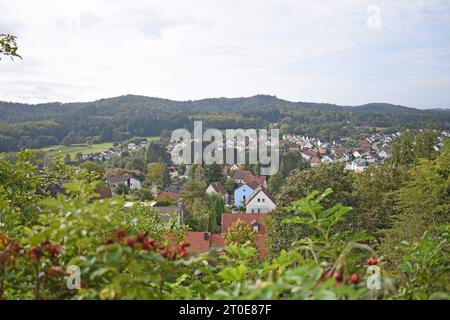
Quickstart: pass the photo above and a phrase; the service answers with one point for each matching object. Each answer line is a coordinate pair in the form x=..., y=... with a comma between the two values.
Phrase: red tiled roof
x=340, y=151
x=229, y=219
x=254, y=181
x=217, y=240
x=164, y=195
x=314, y=160
x=197, y=242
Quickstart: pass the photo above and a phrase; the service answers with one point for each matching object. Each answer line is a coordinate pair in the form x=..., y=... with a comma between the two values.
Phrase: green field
x=83, y=148
x=74, y=149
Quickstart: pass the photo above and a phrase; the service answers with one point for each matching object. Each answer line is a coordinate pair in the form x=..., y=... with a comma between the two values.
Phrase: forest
x=117, y=119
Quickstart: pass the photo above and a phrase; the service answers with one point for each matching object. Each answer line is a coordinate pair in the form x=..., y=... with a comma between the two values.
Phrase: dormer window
x=255, y=227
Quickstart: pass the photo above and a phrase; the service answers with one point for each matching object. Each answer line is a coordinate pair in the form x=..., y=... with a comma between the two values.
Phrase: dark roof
x=118, y=179
x=218, y=187
x=167, y=212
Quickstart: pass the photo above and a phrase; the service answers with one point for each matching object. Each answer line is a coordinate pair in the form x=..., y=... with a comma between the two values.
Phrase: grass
x=83, y=148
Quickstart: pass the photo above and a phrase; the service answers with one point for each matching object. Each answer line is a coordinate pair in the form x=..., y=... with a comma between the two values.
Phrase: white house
x=128, y=180
x=260, y=201
x=219, y=189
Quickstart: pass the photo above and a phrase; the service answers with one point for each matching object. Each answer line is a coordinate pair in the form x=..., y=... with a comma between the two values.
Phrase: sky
x=346, y=52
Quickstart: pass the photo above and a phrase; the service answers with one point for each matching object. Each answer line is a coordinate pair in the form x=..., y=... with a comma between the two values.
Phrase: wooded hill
x=119, y=118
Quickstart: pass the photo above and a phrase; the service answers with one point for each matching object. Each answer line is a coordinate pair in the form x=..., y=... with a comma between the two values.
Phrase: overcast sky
x=320, y=51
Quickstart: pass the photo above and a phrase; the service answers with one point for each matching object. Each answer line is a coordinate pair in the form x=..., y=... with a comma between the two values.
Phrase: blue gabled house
x=241, y=194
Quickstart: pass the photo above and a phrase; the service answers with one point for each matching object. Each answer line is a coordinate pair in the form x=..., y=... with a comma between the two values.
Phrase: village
x=249, y=200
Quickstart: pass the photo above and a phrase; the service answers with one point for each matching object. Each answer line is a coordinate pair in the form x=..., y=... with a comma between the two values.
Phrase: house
x=314, y=161
x=173, y=172
x=229, y=169
x=260, y=201
x=219, y=189
x=171, y=212
x=128, y=180
x=239, y=176
x=241, y=194
x=308, y=154
x=326, y=159
x=131, y=146
x=383, y=154
x=200, y=241
x=255, y=221
x=103, y=191
x=255, y=181
x=357, y=154
x=168, y=196
x=357, y=166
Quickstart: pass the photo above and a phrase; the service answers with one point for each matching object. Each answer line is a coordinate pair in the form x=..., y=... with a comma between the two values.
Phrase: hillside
x=119, y=118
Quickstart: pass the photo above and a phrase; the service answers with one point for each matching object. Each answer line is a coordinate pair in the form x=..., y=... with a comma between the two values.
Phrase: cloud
x=298, y=50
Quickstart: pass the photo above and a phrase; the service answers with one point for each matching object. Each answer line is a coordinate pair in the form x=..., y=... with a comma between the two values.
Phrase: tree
x=374, y=190
x=275, y=183
x=67, y=158
x=8, y=46
x=412, y=146
x=213, y=173
x=92, y=166
x=300, y=185
x=122, y=189
x=217, y=205
x=423, y=202
x=193, y=190
x=158, y=174
x=230, y=185
x=240, y=233
x=78, y=157
x=200, y=216
x=181, y=169
x=156, y=152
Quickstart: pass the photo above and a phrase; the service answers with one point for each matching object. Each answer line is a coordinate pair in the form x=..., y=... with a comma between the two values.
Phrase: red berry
x=182, y=245
x=372, y=261
x=339, y=276
x=53, y=249
x=151, y=241
x=355, y=278
x=131, y=242
x=108, y=241
x=145, y=245
x=35, y=253
x=120, y=234
x=164, y=252
x=140, y=237
x=183, y=254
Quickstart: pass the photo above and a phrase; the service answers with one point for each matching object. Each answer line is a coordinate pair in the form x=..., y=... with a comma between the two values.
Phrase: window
x=255, y=227
x=263, y=200
x=259, y=200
